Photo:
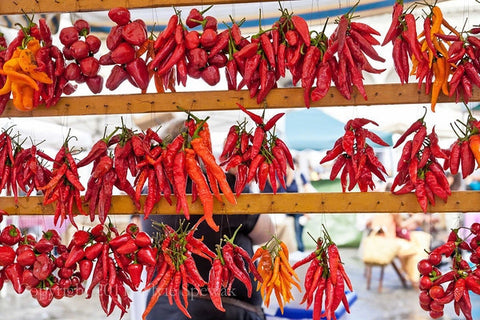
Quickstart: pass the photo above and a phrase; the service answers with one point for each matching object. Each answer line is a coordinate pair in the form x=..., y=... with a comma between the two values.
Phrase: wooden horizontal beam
x=334, y=202
x=45, y=6
x=383, y=94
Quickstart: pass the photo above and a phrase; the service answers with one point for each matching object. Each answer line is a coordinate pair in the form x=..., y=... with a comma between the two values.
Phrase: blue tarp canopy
x=314, y=129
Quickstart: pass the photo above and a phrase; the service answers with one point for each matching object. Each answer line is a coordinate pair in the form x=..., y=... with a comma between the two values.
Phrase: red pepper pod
x=339, y=163
x=135, y=272
x=272, y=121
x=13, y=273
x=231, y=74
x=211, y=75
x=135, y=32
x=467, y=159
x=114, y=37
x=341, y=31
x=7, y=256
x=256, y=118
x=208, y=39
x=76, y=254
x=222, y=40
x=472, y=283
x=334, y=152
x=268, y=49
x=421, y=195
x=119, y=15
x=410, y=34
x=302, y=28
x=394, y=28
x=95, y=84
x=366, y=46
x=472, y=73
x=247, y=51
x=146, y=256
x=163, y=53
x=10, y=235
x=167, y=32
x=138, y=70
x=93, y=251
x=456, y=79
x=418, y=139
x=215, y=284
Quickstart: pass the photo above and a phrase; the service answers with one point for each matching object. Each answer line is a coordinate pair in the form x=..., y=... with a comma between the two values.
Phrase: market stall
x=323, y=81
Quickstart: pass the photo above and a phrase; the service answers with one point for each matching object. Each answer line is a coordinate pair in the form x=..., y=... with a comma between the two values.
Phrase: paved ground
x=393, y=303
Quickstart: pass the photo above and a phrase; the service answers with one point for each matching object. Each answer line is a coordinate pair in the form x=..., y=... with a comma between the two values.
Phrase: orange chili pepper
x=206, y=198
x=286, y=264
x=276, y=270
x=27, y=98
x=474, y=143
x=280, y=302
x=439, y=74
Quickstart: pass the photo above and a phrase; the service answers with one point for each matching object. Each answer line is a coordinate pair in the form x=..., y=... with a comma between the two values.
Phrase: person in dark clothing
x=255, y=229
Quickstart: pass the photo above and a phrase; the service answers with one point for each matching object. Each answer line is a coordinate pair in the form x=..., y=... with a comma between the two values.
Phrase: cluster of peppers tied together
x=438, y=289
x=277, y=273
x=130, y=49
x=354, y=158
x=436, y=53
x=32, y=68
x=325, y=279
x=419, y=167
x=261, y=156
x=79, y=49
x=465, y=150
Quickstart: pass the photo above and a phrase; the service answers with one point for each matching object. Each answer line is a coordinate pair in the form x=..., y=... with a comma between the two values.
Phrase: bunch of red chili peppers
x=175, y=268
x=64, y=187
x=7, y=164
x=402, y=33
x=231, y=263
x=261, y=156
x=179, y=52
x=419, y=169
x=346, y=58
x=187, y=152
x=277, y=275
x=465, y=151
x=325, y=279
x=463, y=54
x=355, y=159
x=22, y=167
x=438, y=289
